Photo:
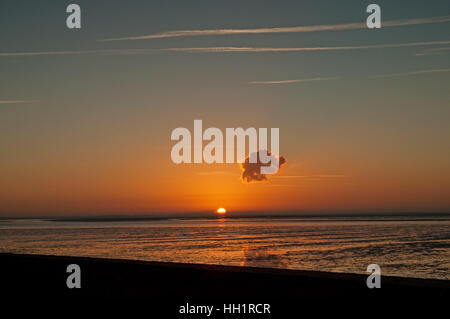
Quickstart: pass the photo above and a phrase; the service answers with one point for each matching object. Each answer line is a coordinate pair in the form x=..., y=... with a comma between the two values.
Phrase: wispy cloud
x=292, y=180
x=419, y=72
x=268, y=30
x=332, y=176
x=220, y=49
x=412, y=73
x=291, y=81
x=302, y=49
x=81, y=52
x=36, y=53
x=290, y=176
x=325, y=176
x=16, y=101
x=433, y=51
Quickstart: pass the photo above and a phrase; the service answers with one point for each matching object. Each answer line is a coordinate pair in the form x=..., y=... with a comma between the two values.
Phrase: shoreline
x=164, y=290
x=44, y=276
x=390, y=280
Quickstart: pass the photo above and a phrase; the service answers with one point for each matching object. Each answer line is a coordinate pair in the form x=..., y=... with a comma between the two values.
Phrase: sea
x=405, y=246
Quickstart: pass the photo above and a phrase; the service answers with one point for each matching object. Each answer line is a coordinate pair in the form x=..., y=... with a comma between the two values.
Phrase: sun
x=221, y=210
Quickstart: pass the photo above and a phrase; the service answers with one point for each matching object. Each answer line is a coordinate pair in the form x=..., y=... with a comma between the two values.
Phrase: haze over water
x=416, y=246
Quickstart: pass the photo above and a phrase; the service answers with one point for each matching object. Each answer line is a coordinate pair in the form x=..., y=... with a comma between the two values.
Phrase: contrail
x=82, y=52
x=412, y=73
x=219, y=49
x=302, y=49
x=16, y=101
x=292, y=81
x=313, y=28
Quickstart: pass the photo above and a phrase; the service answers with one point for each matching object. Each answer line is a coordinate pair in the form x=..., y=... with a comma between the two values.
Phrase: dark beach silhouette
x=166, y=286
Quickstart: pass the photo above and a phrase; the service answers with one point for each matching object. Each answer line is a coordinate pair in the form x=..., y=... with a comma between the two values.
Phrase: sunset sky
x=86, y=115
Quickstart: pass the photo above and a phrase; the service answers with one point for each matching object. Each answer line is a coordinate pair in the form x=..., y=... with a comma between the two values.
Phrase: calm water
x=403, y=247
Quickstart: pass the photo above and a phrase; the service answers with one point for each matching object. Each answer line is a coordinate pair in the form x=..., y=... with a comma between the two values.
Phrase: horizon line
x=212, y=213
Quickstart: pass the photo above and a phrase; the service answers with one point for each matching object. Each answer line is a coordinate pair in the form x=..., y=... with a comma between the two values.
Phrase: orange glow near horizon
x=221, y=211
x=308, y=182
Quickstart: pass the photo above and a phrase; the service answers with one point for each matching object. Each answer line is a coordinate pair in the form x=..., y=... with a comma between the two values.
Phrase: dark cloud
x=251, y=172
